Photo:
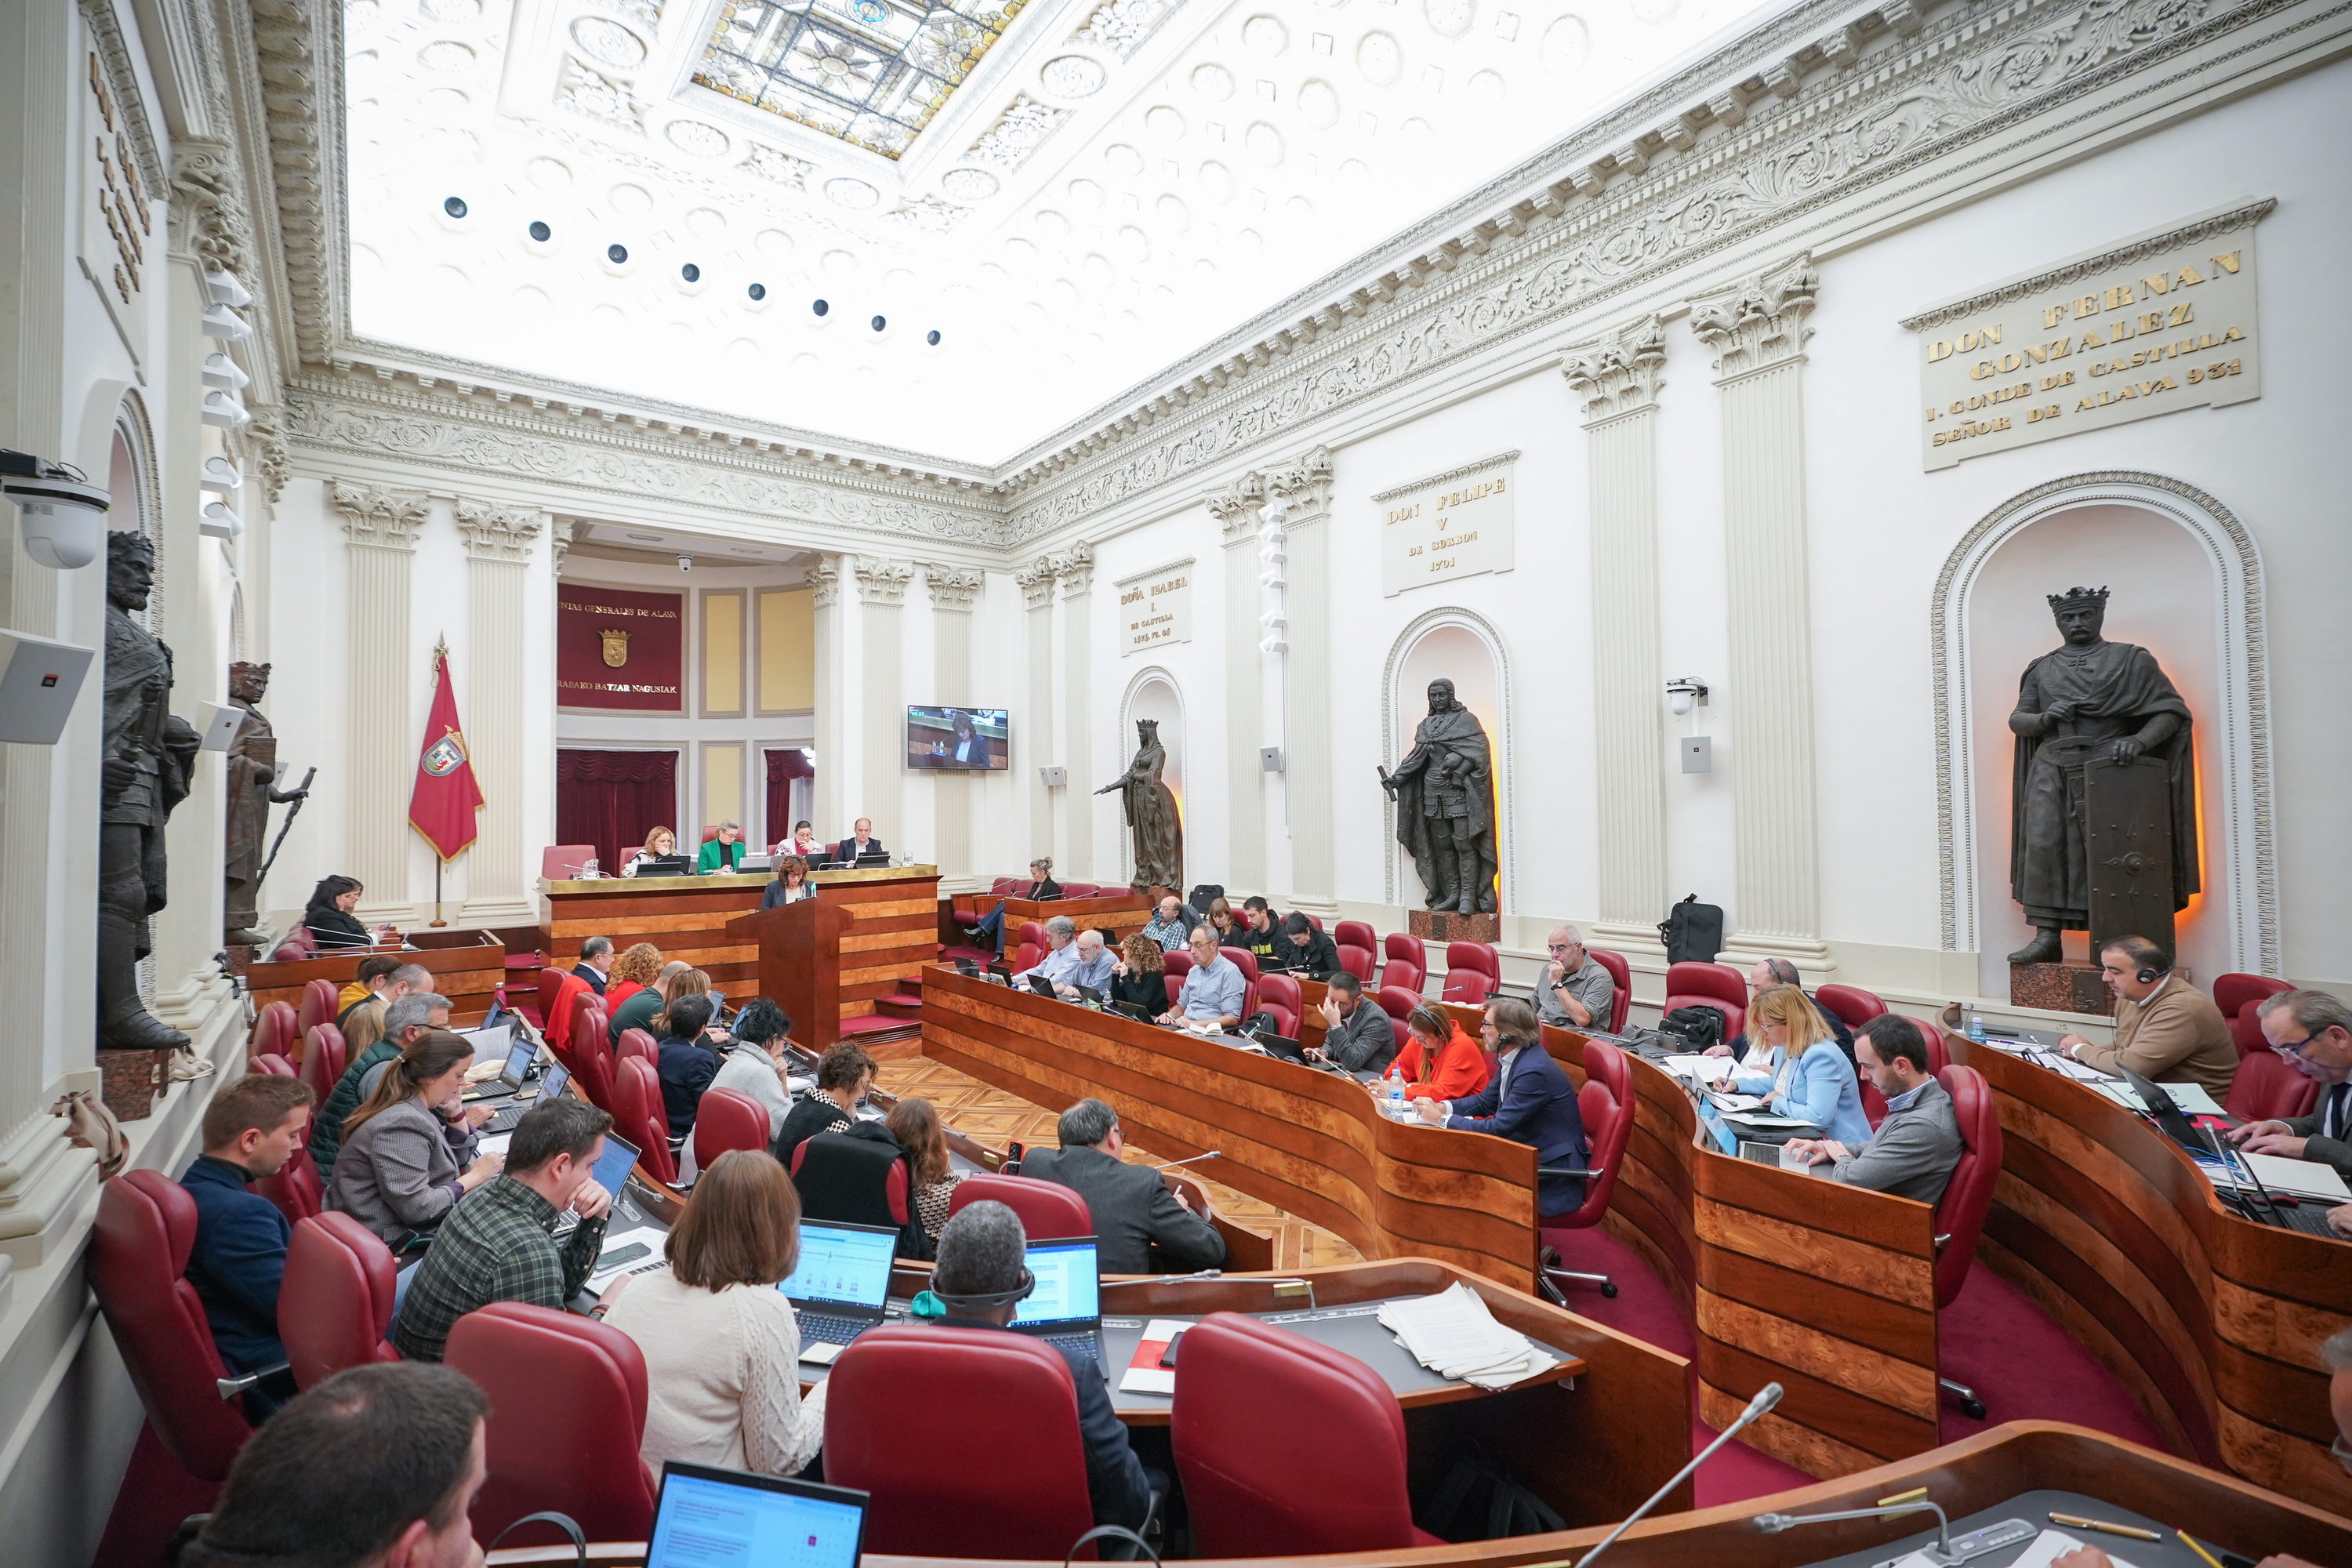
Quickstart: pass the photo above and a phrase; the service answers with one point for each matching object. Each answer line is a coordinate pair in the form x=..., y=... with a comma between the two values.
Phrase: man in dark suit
x=1528, y=1100
x=860, y=843
x=1135, y=1213
x=595, y=962
x=251, y=1129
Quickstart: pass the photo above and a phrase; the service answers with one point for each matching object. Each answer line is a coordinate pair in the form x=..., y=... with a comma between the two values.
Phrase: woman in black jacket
x=1306, y=951
x=328, y=916
x=1140, y=977
x=989, y=934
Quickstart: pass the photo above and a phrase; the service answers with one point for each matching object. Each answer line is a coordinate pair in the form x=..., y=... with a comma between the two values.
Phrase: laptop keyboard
x=1086, y=1347
x=818, y=1330
x=2309, y=1218
x=507, y=1116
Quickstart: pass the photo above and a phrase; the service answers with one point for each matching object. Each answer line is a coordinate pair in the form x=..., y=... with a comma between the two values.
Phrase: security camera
x=686, y=562
x=1683, y=692
x=61, y=514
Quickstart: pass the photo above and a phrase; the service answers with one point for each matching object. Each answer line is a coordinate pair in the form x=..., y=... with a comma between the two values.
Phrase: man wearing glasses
x=1573, y=992
x=2313, y=1030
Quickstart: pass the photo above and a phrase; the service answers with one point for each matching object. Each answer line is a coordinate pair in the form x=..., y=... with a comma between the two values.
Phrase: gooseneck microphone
x=1766, y=1397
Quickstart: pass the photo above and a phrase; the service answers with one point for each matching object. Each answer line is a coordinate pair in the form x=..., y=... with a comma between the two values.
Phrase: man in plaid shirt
x=498, y=1245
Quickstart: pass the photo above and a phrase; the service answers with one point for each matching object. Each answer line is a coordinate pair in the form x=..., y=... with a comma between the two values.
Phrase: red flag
x=447, y=795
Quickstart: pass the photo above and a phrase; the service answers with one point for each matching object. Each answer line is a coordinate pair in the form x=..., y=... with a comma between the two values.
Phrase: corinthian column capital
x=388, y=520
x=494, y=532
x=1760, y=323
x=1621, y=372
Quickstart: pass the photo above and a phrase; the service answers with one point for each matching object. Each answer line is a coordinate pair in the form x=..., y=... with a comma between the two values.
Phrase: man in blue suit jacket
x=1528, y=1100
x=251, y=1129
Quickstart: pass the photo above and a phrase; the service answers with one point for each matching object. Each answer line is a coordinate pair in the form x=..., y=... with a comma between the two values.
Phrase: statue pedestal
x=1443, y=925
x=130, y=1081
x=2059, y=988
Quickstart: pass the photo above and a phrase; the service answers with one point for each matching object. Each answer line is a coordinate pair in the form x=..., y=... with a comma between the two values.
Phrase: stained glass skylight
x=872, y=72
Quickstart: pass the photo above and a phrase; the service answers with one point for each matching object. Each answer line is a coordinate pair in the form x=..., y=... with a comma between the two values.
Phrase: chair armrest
x=1563, y=1171
x=230, y=1387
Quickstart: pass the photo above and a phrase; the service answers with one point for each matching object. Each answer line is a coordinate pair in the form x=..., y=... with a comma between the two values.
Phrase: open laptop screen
x=842, y=1265
x=1724, y=1139
x=1068, y=1283
x=708, y=1517
x=551, y=1086
x=614, y=1165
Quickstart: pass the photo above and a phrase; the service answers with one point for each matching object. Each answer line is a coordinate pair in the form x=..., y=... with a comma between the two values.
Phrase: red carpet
x=155, y=1496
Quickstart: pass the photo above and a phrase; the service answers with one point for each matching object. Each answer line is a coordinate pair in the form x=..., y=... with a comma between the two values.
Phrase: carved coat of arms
x=616, y=647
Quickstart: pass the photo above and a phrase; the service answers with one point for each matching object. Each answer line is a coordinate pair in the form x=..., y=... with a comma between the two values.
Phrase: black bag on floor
x=1696, y=1028
x=1480, y=1500
x=1693, y=932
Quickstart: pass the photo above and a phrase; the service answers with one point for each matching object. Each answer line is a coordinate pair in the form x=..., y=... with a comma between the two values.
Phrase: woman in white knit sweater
x=721, y=1346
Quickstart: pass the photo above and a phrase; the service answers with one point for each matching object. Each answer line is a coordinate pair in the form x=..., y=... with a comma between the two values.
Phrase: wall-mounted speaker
x=1698, y=753
x=1055, y=777
x=38, y=682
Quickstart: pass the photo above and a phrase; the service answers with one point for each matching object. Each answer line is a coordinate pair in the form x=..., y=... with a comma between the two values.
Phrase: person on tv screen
x=965, y=746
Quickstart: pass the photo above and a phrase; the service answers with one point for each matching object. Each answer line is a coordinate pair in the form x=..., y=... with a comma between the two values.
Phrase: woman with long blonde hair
x=1794, y=1062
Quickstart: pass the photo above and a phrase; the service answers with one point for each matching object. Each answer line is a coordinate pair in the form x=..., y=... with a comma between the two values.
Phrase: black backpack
x=1692, y=932
x=1204, y=895
x=1696, y=1028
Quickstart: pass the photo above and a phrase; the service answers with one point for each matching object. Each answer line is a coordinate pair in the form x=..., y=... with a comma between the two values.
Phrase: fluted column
x=1617, y=379
x=1076, y=570
x=1244, y=871
x=881, y=590
x=953, y=590
x=826, y=794
x=380, y=527
x=1304, y=490
x=498, y=560
x=1757, y=334
x=1034, y=731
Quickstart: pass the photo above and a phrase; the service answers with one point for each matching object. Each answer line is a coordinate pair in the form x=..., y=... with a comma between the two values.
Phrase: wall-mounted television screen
x=958, y=738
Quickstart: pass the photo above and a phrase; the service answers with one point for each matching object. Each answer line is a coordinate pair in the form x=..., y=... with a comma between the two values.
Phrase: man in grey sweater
x=1917, y=1147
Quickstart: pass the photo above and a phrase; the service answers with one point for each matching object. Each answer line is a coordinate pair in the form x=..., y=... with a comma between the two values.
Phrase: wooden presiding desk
x=1118, y=915
x=467, y=967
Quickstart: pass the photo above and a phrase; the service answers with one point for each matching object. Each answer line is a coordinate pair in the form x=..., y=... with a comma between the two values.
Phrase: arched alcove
x=1152, y=693
x=1463, y=646
x=2185, y=582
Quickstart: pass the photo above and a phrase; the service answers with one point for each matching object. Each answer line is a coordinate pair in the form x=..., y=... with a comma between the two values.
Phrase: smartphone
x=1168, y=1356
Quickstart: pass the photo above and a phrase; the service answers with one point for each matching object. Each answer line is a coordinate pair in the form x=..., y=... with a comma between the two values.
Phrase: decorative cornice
x=304, y=107
x=493, y=533
x=2210, y=225
x=1036, y=581
x=1075, y=568
x=882, y=581
x=952, y=587
x=558, y=545
x=211, y=206
x=267, y=436
x=1236, y=506
x=122, y=81
x=387, y=520
x=1760, y=323
x=1451, y=476
x=1621, y=372
x=824, y=583
x=1304, y=487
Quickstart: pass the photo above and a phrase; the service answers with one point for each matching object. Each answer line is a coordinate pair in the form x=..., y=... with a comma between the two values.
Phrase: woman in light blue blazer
x=1799, y=1070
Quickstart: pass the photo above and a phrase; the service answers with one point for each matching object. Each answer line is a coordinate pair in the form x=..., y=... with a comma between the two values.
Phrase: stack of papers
x=2288, y=1178
x=1454, y=1335
x=2043, y=1550
x=2191, y=1098
x=1701, y=1070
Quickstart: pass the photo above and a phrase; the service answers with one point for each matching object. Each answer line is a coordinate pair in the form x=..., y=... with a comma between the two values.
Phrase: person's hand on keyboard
x=2339, y=1220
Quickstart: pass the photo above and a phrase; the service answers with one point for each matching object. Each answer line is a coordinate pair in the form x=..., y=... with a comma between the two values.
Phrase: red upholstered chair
x=1402, y=947
x=1047, y=1209
x=1473, y=972
x=274, y=1031
x=317, y=1005
x=323, y=1060
x=594, y=1072
x=1081, y=890
x=1851, y=1003
x=1357, y=961
x=1357, y=934
x=1251, y=1487
x=557, y=991
x=295, y=946
x=1174, y=984
x=709, y=833
x=726, y=1119
x=1620, y=977
x=963, y=909
x=296, y=1189
x=138, y=1254
x=567, y=1414
x=1278, y=994
x=1003, y=886
x=1032, y=932
x=1968, y=1197
x=1606, y=1105
x=1397, y=1002
x=334, y=1305
x=638, y=1043
x=1028, y=956
x=1178, y=962
x=2238, y=995
x=272, y=1065
x=1939, y=1056
x=897, y=1425
x=589, y=1021
x=561, y=862
x=2267, y=1087
x=639, y=1117
x=876, y=1179
x=1716, y=985
x=1248, y=964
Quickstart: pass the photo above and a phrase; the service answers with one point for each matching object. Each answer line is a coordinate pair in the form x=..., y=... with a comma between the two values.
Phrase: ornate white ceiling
x=650, y=196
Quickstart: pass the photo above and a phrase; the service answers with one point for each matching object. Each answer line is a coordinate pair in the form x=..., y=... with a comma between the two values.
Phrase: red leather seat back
x=274, y=1032
x=1357, y=934
x=1734, y=1016
x=1251, y=1486
x=1357, y=961
x=897, y=1424
x=318, y=1004
x=1469, y=987
x=1173, y=983
x=1403, y=945
x=296, y=946
x=1048, y=1210
x=567, y=1414
x=1404, y=975
x=639, y=1117
x=1620, y=976
x=1246, y=961
x=1033, y=932
x=639, y=1043
x=1081, y=890
x=1606, y=1105
x=2237, y=996
x=551, y=983
x=2267, y=1087
x=1278, y=994
x=1718, y=981
x=590, y=1022
x=561, y=862
x=1939, y=1056
x=834, y=1163
x=1475, y=955
x=592, y=1071
x=726, y=1119
x=1851, y=1003
x=1968, y=1197
x=334, y=1305
x=1003, y=886
x=138, y=1254
x=1178, y=962
x=272, y=1065
x=296, y=1189
x=1397, y=1002
x=323, y=1060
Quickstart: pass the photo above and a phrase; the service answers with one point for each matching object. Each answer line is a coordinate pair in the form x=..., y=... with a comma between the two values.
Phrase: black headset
x=990, y=1301
x=2149, y=976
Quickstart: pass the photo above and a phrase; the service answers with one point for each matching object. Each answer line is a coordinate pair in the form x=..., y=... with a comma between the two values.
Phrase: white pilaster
x=1243, y=870
x=1076, y=570
x=1617, y=380
x=881, y=590
x=1034, y=731
x=953, y=590
x=380, y=527
x=825, y=794
x=1757, y=334
x=497, y=561
x=1304, y=489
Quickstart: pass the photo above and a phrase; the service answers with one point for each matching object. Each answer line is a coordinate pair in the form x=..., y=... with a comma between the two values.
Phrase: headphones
x=2149, y=976
x=939, y=1303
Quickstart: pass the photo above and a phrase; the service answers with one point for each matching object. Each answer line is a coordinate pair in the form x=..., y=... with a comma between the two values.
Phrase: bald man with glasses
x=1573, y=992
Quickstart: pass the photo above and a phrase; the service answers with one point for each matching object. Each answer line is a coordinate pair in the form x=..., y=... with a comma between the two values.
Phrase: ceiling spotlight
x=820, y=307
x=540, y=231
x=616, y=254
x=455, y=207
x=220, y=477
x=222, y=372
x=757, y=290
x=224, y=288
x=690, y=272
x=877, y=323
x=932, y=337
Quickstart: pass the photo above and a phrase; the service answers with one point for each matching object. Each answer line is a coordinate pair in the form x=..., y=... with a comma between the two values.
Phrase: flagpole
x=440, y=654
x=436, y=890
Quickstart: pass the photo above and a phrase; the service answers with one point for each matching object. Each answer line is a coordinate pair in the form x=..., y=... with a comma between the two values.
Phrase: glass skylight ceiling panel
x=872, y=72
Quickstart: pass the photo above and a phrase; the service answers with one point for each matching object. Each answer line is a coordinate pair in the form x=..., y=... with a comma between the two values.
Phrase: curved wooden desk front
x=2213, y=1320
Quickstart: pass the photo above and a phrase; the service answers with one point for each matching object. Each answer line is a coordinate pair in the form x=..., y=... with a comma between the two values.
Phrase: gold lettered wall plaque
x=1156, y=607
x=2160, y=323
x=1450, y=525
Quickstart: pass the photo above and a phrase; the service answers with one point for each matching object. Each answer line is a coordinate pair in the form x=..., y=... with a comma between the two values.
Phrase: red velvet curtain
x=613, y=799
x=783, y=767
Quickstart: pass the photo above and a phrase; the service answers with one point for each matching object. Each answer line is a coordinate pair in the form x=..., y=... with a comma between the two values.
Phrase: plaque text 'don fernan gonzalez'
x=2157, y=324
x=1450, y=525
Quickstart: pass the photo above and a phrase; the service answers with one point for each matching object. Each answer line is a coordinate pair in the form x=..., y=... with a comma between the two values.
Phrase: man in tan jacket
x=2165, y=1029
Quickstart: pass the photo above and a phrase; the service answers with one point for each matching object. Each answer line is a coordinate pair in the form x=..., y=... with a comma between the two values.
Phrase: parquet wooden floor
x=996, y=1118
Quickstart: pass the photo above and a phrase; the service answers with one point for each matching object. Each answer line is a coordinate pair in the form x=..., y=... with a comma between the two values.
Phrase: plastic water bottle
x=1396, y=1088
x=1976, y=1029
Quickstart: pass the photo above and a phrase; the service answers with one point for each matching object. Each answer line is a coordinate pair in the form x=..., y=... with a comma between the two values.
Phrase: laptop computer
x=550, y=1086
x=1066, y=1308
x=2170, y=1119
x=1042, y=986
x=708, y=1516
x=1142, y=1015
x=666, y=866
x=838, y=1288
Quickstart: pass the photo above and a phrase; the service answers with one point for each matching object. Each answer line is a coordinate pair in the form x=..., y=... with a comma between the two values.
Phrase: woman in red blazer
x=1439, y=1061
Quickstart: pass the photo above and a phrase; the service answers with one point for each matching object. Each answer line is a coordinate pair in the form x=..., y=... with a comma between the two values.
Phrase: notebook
x=705, y=1516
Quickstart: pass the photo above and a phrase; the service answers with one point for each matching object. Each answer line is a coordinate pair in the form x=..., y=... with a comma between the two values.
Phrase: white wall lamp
x=218, y=522
x=220, y=477
x=1273, y=558
x=61, y=514
x=226, y=410
x=222, y=372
